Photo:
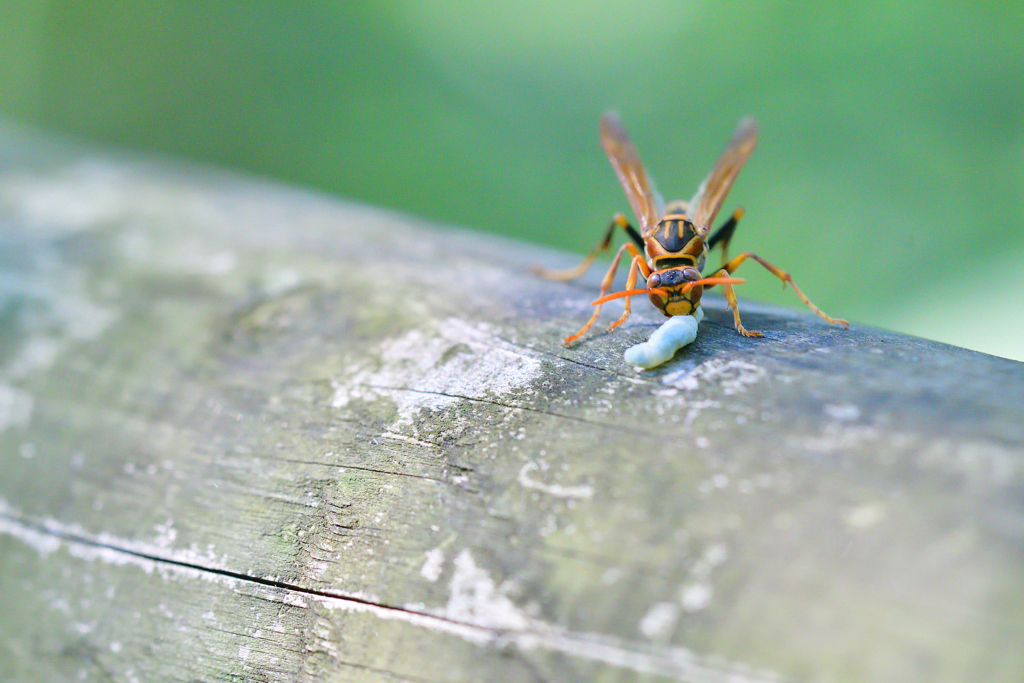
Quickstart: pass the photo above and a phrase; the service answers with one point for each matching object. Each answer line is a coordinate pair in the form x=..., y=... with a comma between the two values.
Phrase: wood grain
x=252, y=433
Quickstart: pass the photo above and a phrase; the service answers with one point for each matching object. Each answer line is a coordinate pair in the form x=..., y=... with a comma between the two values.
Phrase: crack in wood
x=48, y=529
x=550, y=354
x=669, y=661
x=605, y=425
x=359, y=468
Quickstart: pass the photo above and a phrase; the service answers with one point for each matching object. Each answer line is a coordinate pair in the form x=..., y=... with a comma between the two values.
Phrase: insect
x=675, y=238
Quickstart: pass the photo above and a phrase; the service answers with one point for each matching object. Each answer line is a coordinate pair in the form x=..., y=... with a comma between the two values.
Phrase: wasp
x=675, y=238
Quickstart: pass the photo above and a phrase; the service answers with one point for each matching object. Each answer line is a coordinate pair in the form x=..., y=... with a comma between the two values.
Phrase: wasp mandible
x=675, y=238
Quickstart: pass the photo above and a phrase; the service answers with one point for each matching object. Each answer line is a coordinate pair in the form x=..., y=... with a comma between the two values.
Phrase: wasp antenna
x=628, y=292
x=713, y=281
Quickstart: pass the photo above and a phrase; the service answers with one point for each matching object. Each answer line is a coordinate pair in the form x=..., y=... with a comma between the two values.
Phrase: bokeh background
x=889, y=178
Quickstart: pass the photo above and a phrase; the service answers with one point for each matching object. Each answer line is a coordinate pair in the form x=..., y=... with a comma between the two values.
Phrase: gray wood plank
x=248, y=432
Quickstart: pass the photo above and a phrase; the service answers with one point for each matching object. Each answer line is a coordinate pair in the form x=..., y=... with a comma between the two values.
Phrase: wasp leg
x=618, y=221
x=730, y=297
x=786, y=278
x=606, y=284
x=639, y=265
x=724, y=234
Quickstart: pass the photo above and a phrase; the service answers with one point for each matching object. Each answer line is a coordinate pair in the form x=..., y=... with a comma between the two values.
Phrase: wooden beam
x=252, y=433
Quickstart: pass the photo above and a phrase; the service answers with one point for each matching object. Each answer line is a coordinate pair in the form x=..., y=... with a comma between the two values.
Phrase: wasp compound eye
x=654, y=280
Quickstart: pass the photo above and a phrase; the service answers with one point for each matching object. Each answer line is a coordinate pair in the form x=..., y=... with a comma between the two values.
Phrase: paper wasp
x=675, y=238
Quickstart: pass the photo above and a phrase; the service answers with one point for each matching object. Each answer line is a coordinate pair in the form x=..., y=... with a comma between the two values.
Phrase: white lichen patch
x=433, y=565
x=837, y=436
x=695, y=596
x=83, y=628
x=221, y=262
x=690, y=392
x=166, y=534
x=713, y=556
x=84, y=196
x=37, y=353
x=479, y=611
x=56, y=312
x=15, y=407
x=42, y=543
x=982, y=462
x=280, y=281
x=731, y=376
x=82, y=319
x=143, y=248
x=475, y=599
x=659, y=620
x=865, y=516
x=62, y=306
x=844, y=412
x=557, y=490
x=115, y=550
x=696, y=593
x=438, y=366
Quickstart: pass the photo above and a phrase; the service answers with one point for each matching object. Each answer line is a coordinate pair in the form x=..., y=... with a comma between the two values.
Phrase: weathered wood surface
x=250, y=433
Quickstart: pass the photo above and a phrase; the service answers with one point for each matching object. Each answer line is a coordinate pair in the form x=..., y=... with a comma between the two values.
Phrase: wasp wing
x=712, y=192
x=643, y=197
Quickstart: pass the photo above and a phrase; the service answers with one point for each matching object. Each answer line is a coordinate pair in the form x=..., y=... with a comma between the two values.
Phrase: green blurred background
x=889, y=178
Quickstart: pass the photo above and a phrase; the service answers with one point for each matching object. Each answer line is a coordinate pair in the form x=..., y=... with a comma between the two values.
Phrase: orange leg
x=634, y=269
x=786, y=278
x=641, y=262
x=730, y=297
x=619, y=221
x=606, y=284
x=638, y=264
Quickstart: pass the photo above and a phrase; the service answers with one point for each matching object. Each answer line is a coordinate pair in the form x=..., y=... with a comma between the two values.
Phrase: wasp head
x=682, y=297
